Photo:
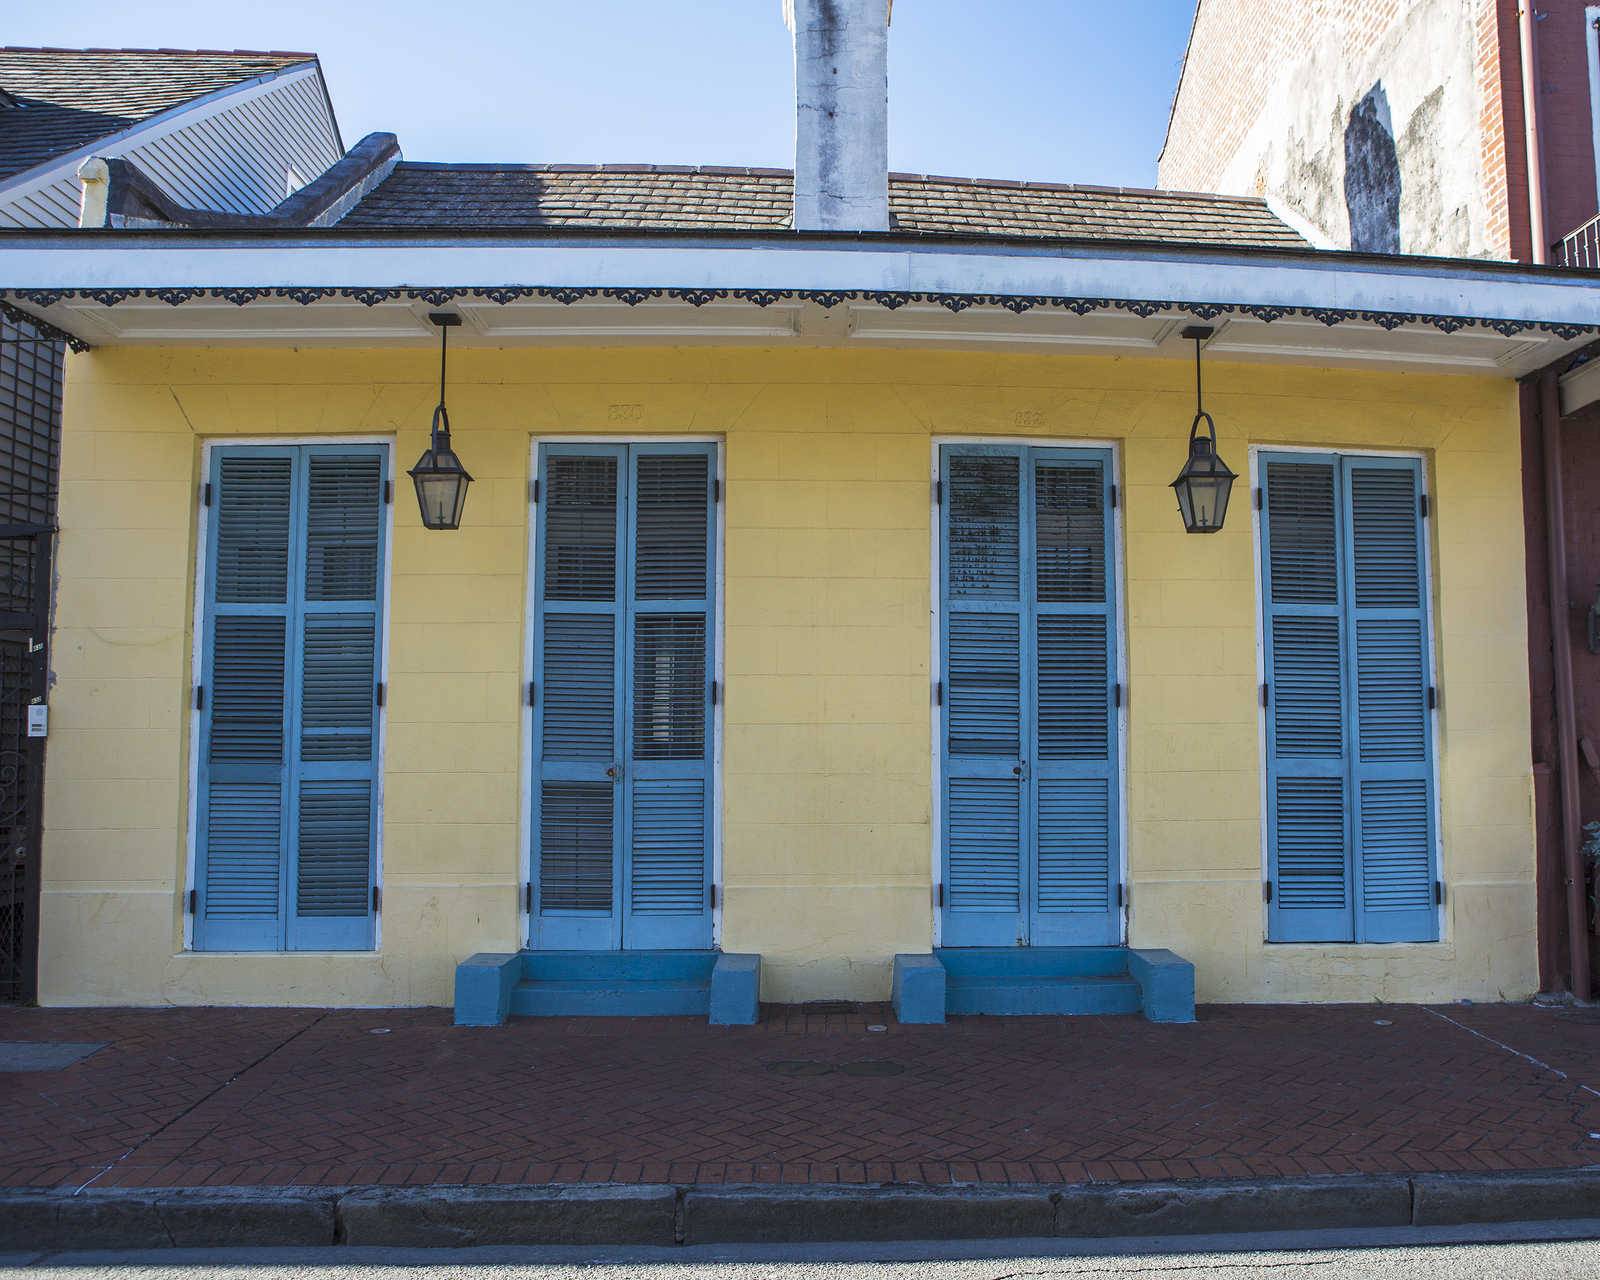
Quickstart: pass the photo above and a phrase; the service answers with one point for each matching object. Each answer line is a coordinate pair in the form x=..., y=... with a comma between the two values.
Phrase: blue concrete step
x=608, y=984
x=1043, y=980
x=1015, y=995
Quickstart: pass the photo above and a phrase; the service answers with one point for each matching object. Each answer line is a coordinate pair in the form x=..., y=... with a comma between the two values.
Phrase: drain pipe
x=1566, y=712
x=1526, y=38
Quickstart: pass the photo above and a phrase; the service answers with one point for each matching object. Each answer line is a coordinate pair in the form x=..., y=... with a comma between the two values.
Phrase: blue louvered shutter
x=578, y=672
x=1308, y=843
x=242, y=800
x=1073, y=761
x=986, y=704
x=1392, y=818
x=335, y=708
x=667, y=784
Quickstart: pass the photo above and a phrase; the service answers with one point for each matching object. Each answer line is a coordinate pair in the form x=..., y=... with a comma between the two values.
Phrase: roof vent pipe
x=841, y=137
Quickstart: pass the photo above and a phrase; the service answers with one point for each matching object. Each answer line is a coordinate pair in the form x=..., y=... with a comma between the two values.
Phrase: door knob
x=615, y=771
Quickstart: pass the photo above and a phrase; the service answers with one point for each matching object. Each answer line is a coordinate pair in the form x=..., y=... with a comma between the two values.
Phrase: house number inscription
x=625, y=413
x=1030, y=418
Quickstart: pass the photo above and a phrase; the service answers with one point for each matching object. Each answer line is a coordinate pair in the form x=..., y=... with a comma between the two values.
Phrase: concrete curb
x=665, y=1215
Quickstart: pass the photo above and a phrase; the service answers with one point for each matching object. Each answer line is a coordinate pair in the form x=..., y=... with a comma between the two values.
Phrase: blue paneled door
x=1028, y=697
x=288, y=782
x=623, y=618
x=1350, y=790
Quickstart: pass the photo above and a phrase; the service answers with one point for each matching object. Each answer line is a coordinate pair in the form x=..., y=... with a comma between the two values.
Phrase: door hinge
x=379, y=695
x=1116, y=695
x=716, y=693
x=941, y=894
x=938, y=693
x=713, y=889
x=1266, y=695
x=527, y=898
x=1113, y=497
x=388, y=492
x=1266, y=890
x=205, y=495
x=1119, y=896
x=377, y=900
x=199, y=697
x=530, y=693
x=194, y=898
x=1438, y=893
x=533, y=492
x=1423, y=498
x=1433, y=698
x=1261, y=500
x=716, y=490
x=938, y=493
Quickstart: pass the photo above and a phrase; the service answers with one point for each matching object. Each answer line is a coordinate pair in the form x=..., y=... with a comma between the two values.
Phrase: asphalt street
x=1530, y=1251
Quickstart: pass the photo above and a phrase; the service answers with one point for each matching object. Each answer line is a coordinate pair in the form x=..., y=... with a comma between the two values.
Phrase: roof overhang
x=932, y=292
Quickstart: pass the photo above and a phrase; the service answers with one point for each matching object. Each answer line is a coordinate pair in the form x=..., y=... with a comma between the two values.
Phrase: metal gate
x=31, y=363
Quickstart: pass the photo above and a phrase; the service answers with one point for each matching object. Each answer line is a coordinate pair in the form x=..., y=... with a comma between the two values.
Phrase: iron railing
x=1580, y=248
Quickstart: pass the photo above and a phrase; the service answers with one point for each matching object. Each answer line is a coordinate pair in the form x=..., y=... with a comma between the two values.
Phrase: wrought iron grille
x=30, y=439
x=1580, y=248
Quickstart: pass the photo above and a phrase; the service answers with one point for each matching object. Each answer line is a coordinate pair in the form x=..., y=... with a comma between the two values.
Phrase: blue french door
x=288, y=786
x=1350, y=793
x=622, y=697
x=1028, y=697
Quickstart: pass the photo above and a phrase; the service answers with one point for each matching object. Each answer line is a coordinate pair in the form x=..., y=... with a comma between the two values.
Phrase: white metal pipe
x=1528, y=40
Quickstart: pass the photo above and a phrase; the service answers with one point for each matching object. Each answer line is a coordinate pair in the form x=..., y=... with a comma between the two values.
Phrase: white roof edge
x=168, y=121
x=1408, y=286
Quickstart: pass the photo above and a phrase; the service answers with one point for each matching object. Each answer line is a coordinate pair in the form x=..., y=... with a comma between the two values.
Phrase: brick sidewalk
x=244, y=1097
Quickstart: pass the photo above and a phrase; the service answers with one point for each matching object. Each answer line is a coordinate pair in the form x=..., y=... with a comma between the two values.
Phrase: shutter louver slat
x=1301, y=527
x=337, y=678
x=334, y=867
x=1311, y=844
x=1383, y=503
x=253, y=514
x=580, y=528
x=575, y=847
x=667, y=870
x=984, y=666
x=244, y=855
x=247, y=687
x=1069, y=534
x=1074, y=839
x=1391, y=695
x=578, y=690
x=344, y=517
x=984, y=528
x=1073, y=688
x=983, y=870
x=1308, y=688
x=669, y=687
x=1394, y=846
x=671, y=527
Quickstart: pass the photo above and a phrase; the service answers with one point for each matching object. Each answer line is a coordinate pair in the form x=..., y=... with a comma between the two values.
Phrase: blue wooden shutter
x=667, y=816
x=578, y=736
x=987, y=702
x=242, y=792
x=1391, y=728
x=335, y=711
x=1308, y=845
x=1073, y=761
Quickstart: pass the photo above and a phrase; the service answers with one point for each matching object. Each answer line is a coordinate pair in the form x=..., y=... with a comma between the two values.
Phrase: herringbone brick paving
x=314, y=1097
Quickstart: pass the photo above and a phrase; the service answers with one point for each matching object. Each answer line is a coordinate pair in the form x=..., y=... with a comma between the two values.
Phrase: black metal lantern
x=440, y=478
x=1205, y=482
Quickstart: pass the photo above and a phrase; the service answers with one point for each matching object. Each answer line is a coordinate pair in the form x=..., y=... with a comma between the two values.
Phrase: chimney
x=841, y=91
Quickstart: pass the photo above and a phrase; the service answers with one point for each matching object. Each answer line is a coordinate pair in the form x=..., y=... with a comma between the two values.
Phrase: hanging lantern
x=1205, y=482
x=440, y=478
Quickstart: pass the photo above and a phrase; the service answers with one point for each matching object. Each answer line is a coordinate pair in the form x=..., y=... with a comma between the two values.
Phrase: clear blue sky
x=1049, y=90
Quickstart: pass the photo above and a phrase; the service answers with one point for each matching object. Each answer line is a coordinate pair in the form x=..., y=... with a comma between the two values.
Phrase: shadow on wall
x=1372, y=175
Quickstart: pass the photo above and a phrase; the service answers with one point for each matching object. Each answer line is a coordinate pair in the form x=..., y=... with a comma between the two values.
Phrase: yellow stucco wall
x=827, y=841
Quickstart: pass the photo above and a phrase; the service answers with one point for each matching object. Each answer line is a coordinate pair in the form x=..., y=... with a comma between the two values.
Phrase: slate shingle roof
x=669, y=197
x=70, y=97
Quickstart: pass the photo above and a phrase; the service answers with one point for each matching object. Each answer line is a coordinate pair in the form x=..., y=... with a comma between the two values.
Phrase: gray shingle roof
x=70, y=97
x=706, y=198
